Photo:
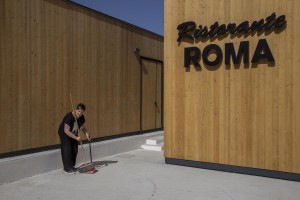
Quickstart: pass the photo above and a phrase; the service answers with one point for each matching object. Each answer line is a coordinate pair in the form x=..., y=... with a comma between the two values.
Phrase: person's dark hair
x=80, y=106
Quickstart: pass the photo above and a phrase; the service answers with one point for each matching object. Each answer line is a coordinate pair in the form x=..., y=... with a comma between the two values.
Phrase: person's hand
x=88, y=136
x=78, y=139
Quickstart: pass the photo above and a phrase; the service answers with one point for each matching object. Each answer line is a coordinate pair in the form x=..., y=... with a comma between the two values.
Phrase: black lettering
x=231, y=27
x=242, y=52
x=221, y=29
x=185, y=30
x=206, y=51
x=213, y=29
x=188, y=57
x=280, y=22
x=257, y=25
x=188, y=29
x=268, y=25
x=262, y=46
x=203, y=33
x=196, y=32
x=243, y=27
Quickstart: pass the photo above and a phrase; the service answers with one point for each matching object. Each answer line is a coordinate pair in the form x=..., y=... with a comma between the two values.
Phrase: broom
x=92, y=171
x=85, y=168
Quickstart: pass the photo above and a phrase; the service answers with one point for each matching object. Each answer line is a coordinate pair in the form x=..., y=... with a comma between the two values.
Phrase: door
x=151, y=94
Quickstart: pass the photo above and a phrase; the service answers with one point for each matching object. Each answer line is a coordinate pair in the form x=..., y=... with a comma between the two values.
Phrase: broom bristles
x=86, y=167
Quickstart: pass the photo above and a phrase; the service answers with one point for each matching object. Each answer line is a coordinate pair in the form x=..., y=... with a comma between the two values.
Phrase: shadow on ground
x=91, y=168
x=104, y=162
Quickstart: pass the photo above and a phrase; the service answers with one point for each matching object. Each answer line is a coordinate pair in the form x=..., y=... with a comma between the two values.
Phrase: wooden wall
x=151, y=94
x=51, y=48
x=244, y=117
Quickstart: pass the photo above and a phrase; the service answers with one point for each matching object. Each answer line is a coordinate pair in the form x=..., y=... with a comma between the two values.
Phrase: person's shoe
x=74, y=168
x=71, y=171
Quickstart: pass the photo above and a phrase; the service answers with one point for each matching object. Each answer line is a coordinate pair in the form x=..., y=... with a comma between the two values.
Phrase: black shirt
x=69, y=119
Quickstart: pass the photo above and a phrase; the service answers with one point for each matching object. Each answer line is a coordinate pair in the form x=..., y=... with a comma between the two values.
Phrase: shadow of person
x=104, y=162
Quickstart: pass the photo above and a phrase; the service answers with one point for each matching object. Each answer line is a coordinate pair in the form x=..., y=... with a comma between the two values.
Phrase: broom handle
x=77, y=129
x=90, y=151
x=83, y=152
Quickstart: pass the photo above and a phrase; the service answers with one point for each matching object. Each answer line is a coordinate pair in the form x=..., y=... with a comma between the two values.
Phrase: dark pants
x=69, y=150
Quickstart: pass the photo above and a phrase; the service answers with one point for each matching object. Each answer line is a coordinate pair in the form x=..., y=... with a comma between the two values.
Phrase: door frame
x=141, y=93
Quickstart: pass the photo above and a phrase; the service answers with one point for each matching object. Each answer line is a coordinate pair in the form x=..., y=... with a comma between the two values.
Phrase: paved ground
x=143, y=175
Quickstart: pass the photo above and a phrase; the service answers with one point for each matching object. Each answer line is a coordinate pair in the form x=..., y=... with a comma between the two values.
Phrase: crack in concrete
x=154, y=190
x=153, y=184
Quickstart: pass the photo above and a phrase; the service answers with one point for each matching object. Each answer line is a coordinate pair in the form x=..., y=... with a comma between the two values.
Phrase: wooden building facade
x=51, y=48
x=232, y=93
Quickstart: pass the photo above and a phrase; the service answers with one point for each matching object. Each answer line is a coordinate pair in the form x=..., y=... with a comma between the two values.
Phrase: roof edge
x=106, y=15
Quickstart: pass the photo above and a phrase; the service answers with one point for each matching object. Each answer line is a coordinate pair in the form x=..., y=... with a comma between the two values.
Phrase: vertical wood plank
x=244, y=115
x=50, y=49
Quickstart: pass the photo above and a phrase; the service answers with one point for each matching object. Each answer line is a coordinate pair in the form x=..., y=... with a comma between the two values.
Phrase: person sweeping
x=68, y=132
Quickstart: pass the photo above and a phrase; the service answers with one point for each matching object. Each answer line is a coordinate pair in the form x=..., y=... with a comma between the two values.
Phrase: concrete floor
x=143, y=175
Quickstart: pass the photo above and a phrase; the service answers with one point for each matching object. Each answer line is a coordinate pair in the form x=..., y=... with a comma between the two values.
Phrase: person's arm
x=83, y=129
x=70, y=134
